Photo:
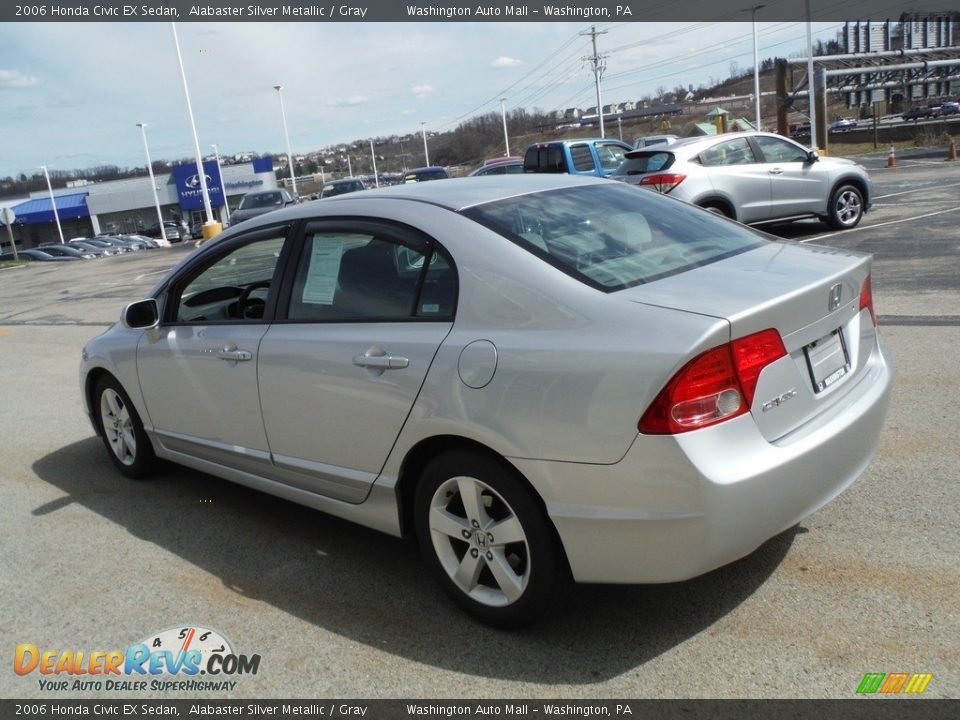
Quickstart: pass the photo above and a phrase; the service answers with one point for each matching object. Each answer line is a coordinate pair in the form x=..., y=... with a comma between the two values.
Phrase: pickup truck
x=585, y=156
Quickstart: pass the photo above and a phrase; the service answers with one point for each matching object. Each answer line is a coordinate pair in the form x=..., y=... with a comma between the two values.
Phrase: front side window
x=612, y=237
x=611, y=155
x=234, y=288
x=776, y=150
x=356, y=276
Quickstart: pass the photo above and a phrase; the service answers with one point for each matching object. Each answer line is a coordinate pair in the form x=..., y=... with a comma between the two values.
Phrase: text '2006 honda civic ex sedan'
x=541, y=377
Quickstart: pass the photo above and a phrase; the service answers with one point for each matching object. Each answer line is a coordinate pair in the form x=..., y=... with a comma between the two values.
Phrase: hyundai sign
x=189, y=190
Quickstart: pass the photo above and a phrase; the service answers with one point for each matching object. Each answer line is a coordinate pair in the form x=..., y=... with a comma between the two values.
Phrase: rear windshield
x=424, y=175
x=544, y=159
x=640, y=163
x=614, y=236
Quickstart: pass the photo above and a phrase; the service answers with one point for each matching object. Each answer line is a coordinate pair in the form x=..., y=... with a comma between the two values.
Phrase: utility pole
x=811, y=82
x=599, y=65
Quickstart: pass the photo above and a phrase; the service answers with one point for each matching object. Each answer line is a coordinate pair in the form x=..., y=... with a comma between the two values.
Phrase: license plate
x=828, y=360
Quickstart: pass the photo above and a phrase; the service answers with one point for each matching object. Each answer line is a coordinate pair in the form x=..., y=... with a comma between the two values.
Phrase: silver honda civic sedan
x=541, y=377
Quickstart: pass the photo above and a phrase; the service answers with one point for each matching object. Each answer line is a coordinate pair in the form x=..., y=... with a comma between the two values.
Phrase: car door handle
x=231, y=353
x=381, y=362
x=776, y=171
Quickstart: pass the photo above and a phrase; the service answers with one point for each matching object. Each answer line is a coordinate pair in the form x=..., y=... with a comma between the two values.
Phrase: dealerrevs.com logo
x=186, y=658
x=894, y=683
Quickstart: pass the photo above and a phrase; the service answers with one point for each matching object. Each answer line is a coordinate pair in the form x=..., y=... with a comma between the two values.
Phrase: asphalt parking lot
x=870, y=583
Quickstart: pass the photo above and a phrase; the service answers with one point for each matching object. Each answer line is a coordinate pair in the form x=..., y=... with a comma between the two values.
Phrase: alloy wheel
x=118, y=426
x=479, y=541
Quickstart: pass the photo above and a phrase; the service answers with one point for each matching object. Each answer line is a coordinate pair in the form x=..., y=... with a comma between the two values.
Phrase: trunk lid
x=810, y=295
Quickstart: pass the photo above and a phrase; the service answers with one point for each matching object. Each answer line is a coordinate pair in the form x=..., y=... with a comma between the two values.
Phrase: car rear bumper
x=677, y=507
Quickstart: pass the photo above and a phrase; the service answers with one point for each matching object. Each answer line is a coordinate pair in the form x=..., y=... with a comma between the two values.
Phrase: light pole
x=283, y=116
x=223, y=187
x=201, y=175
x=53, y=202
x=426, y=154
x=153, y=183
x=503, y=115
x=373, y=157
x=756, y=65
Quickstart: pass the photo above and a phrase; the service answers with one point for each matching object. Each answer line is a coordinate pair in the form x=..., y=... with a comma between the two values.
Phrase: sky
x=71, y=94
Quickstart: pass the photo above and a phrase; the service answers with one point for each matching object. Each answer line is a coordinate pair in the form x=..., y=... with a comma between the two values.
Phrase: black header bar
x=587, y=11
x=523, y=709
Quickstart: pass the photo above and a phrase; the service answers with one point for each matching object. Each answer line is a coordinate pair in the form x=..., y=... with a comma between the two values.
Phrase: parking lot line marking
x=915, y=190
x=148, y=274
x=868, y=227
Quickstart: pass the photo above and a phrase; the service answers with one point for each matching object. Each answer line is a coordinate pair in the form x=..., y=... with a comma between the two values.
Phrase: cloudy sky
x=72, y=93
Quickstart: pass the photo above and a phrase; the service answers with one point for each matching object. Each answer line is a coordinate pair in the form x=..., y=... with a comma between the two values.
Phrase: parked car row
x=36, y=254
x=87, y=248
x=751, y=177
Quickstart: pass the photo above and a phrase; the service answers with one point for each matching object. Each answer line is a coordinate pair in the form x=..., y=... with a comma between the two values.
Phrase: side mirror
x=813, y=156
x=141, y=315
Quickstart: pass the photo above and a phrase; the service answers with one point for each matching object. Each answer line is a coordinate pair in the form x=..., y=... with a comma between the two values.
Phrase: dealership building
x=128, y=206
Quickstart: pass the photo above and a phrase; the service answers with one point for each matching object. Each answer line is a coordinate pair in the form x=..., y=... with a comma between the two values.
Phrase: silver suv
x=753, y=178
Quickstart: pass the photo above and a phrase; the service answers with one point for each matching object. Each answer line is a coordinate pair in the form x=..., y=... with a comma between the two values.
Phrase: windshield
x=640, y=163
x=615, y=236
x=339, y=188
x=260, y=200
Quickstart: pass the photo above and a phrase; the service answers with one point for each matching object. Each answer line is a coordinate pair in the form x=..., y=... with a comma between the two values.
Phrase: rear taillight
x=752, y=354
x=715, y=386
x=866, y=299
x=662, y=182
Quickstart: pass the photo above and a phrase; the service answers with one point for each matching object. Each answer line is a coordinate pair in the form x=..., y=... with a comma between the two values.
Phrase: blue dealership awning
x=40, y=210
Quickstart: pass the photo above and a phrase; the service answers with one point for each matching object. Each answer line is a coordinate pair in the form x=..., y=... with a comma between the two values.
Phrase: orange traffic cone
x=891, y=158
x=952, y=152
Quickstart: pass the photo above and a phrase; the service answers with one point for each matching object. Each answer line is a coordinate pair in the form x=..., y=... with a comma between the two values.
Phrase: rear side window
x=640, y=163
x=582, y=158
x=357, y=276
x=732, y=152
x=614, y=236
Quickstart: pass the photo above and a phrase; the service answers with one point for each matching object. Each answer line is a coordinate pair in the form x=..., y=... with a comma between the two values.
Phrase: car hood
x=241, y=215
x=837, y=162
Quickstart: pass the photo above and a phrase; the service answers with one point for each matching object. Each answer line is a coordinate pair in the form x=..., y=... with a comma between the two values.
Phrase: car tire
x=717, y=209
x=506, y=579
x=122, y=430
x=846, y=208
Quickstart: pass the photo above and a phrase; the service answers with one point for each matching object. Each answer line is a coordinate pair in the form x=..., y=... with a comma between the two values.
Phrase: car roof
x=693, y=145
x=453, y=194
x=490, y=162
